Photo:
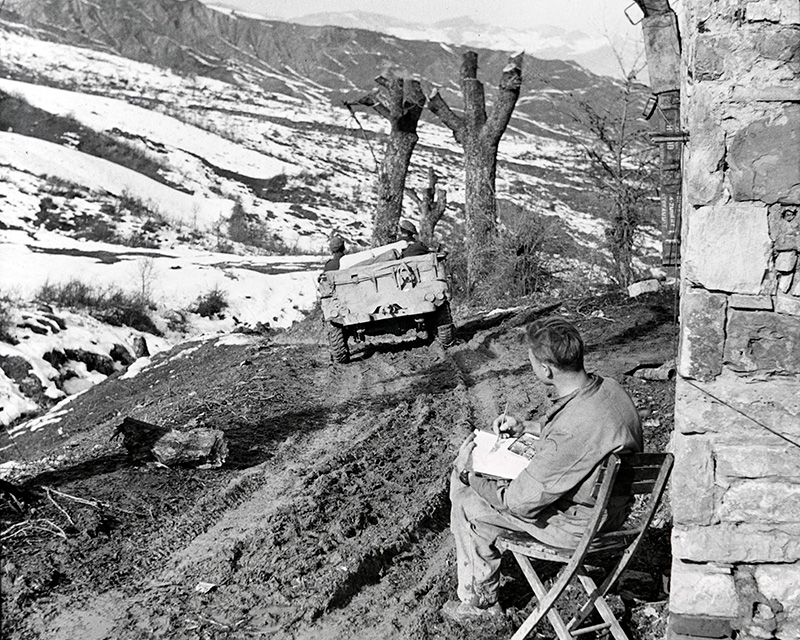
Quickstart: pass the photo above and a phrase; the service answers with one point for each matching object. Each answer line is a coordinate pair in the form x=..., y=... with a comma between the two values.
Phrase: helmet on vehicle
x=408, y=227
x=336, y=244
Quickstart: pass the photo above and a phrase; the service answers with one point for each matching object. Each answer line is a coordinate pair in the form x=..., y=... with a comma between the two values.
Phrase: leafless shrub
x=111, y=305
x=516, y=261
x=210, y=304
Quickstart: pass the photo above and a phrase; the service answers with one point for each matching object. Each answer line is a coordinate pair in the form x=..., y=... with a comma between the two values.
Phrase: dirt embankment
x=330, y=518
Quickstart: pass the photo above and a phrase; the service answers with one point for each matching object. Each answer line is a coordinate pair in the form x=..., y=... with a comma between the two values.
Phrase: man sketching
x=551, y=498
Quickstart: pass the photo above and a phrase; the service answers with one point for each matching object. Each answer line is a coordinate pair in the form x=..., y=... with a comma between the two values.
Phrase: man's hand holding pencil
x=507, y=426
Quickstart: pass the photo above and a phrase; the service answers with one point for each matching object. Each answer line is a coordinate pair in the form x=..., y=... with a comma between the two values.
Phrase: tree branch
x=510, y=84
x=442, y=110
x=369, y=101
x=414, y=197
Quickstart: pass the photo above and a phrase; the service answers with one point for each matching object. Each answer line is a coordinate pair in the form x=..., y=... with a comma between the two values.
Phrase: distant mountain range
x=542, y=41
x=302, y=60
x=546, y=42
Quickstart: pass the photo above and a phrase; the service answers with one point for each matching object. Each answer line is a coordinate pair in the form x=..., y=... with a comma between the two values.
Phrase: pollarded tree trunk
x=479, y=134
x=401, y=104
x=431, y=207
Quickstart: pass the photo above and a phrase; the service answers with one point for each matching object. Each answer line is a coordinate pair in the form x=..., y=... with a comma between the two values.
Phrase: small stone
x=785, y=282
x=789, y=305
x=741, y=301
x=785, y=261
x=643, y=286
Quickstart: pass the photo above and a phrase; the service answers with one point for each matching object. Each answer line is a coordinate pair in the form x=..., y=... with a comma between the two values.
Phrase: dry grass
x=111, y=305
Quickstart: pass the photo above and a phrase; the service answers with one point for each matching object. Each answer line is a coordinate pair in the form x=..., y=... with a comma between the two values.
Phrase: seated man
x=337, y=249
x=408, y=232
x=551, y=499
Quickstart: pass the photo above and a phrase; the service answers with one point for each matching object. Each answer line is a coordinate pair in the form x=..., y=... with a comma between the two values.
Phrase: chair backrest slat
x=638, y=474
x=620, y=474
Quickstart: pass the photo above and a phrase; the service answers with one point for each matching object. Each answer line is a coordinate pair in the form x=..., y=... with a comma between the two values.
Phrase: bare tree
x=623, y=166
x=479, y=134
x=401, y=103
x=431, y=206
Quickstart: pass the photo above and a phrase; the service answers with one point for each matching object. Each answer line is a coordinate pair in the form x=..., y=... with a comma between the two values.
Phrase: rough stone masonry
x=736, y=484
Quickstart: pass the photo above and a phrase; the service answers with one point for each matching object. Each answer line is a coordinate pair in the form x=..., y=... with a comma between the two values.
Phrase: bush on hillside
x=212, y=303
x=95, y=229
x=518, y=261
x=138, y=208
x=111, y=305
x=247, y=229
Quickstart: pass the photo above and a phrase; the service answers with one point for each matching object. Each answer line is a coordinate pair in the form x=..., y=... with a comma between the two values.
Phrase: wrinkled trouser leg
x=476, y=526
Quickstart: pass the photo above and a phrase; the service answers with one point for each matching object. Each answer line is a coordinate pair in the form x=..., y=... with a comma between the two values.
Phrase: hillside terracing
x=330, y=517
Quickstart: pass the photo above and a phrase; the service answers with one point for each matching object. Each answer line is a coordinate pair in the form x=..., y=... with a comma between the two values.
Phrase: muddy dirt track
x=330, y=517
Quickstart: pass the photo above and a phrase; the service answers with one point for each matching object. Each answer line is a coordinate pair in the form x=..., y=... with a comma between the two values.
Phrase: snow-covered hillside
x=119, y=174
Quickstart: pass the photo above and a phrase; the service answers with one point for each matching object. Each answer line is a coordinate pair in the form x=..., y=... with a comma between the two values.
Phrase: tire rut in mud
x=330, y=520
x=308, y=518
x=357, y=510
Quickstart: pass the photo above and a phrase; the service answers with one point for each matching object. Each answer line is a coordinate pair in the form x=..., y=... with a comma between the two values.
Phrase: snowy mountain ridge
x=548, y=42
x=121, y=173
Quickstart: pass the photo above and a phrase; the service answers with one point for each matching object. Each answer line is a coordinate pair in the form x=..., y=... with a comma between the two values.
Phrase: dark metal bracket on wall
x=669, y=136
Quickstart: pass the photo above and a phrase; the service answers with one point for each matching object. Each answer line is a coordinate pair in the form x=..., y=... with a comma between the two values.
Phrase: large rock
x=752, y=542
x=762, y=342
x=705, y=157
x=711, y=51
x=206, y=447
x=763, y=501
x=784, y=11
x=751, y=303
x=702, y=335
x=703, y=590
x=788, y=304
x=784, y=227
x=782, y=44
x=785, y=261
x=94, y=361
x=22, y=373
x=758, y=461
x=764, y=159
x=692, y=492
x=728, y=248
x=728, y=404
x=781, y=582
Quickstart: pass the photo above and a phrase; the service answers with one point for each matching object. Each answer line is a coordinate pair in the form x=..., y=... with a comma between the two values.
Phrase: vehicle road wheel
x=445, y=329
x=338, y=344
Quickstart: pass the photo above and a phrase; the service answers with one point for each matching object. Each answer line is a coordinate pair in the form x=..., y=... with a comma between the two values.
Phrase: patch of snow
x=48, y=159
x=236, y=339
x=137, y=367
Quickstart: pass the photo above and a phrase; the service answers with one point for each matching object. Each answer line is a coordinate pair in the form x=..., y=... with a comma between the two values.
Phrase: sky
x=591, y=16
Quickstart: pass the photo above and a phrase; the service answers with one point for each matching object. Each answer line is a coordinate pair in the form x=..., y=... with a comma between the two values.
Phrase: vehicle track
x=330, y=519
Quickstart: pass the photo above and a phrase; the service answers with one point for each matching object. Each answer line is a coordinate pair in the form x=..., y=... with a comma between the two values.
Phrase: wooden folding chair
x=621, y=475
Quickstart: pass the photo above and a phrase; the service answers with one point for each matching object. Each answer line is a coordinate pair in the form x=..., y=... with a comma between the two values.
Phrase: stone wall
x=736, y=484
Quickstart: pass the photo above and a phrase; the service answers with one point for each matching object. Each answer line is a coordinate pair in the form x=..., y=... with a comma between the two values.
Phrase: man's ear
x=547, y=370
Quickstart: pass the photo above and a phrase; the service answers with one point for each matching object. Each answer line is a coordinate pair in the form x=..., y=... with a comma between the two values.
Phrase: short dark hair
x=557, y=342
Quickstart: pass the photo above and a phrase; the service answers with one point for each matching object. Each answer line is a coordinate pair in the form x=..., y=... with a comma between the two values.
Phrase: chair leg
x=543, y=607
x=597, y=601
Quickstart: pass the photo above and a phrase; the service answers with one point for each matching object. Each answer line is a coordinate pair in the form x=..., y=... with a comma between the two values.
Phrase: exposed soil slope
x=330, y=518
